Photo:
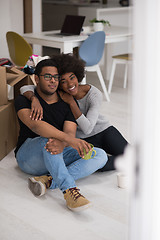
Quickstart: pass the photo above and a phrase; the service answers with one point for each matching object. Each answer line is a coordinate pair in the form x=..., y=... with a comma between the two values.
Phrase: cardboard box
x=15, y=78
x=8, y=129
x=3, y=88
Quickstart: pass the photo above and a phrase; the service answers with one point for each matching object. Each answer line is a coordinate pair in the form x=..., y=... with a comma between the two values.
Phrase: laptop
x=72, y=25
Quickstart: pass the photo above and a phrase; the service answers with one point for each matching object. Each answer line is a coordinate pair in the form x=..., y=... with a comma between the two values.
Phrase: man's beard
x=46, y=92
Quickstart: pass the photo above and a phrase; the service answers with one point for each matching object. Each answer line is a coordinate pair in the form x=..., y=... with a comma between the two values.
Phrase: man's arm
x=55, y=146
x=48, y=131
x=70, y=128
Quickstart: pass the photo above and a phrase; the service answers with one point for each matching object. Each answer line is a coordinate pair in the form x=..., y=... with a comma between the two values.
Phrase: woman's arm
x=27, y=88
x=36, y=108
x=86, y=119
x=90, y=108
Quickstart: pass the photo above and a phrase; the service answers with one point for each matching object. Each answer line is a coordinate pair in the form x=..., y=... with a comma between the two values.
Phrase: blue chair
x=91, y=51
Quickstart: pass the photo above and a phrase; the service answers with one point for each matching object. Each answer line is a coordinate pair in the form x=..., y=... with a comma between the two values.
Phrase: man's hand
x=54, y=146
x=80, y=145
x=36, y=109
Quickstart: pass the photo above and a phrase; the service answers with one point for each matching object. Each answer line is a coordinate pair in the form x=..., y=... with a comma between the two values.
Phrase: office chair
x=91, y=51
x=19, y=49
x=119, y=59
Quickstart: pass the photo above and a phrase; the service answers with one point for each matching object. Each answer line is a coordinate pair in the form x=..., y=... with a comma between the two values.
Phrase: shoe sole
x=36, y=187
x=79, y=209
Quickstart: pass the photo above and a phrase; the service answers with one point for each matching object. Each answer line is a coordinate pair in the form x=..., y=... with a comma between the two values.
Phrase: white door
x=145, y=198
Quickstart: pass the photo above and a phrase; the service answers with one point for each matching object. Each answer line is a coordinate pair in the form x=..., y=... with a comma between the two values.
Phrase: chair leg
x=102, y=83
x=125, y=75
x=83, y=80
x=112, y=76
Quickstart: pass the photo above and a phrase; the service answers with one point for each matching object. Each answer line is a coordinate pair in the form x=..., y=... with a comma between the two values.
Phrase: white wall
x=117, y=16
x=11, y=19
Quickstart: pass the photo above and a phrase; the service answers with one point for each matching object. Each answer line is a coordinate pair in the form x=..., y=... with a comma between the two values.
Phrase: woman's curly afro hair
x=69, y=63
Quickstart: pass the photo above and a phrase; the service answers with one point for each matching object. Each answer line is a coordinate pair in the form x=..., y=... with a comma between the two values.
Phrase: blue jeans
x=64, y=168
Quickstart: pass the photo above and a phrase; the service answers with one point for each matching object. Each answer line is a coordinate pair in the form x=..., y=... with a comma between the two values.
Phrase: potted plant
x=98, y=25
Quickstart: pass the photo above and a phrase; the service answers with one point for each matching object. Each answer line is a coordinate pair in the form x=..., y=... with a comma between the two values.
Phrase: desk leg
x=67, y=48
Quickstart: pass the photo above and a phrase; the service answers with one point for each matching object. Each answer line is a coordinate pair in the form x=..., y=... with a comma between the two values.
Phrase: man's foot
x=75, y=201
x=38, y=185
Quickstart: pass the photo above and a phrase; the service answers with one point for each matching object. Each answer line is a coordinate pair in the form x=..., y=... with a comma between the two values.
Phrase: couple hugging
x=59, y=120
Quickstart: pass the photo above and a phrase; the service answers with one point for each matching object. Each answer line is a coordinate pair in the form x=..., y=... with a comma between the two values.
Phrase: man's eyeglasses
x=48, y=77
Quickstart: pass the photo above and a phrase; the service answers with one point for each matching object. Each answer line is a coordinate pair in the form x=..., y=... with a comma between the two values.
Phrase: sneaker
x=38, y=185
x=74, y=200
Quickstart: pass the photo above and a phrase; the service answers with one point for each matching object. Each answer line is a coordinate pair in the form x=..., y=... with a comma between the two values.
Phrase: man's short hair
x=45, y=63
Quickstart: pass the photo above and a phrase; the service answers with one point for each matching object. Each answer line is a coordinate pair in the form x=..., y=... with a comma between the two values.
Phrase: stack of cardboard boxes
x=11, y=79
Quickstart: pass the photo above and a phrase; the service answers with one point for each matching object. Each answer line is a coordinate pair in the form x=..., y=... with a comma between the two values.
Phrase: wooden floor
x=23, y=216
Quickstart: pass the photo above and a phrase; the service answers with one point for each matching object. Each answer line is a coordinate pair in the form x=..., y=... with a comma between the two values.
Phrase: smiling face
x=69, y=83
x=45, y=85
